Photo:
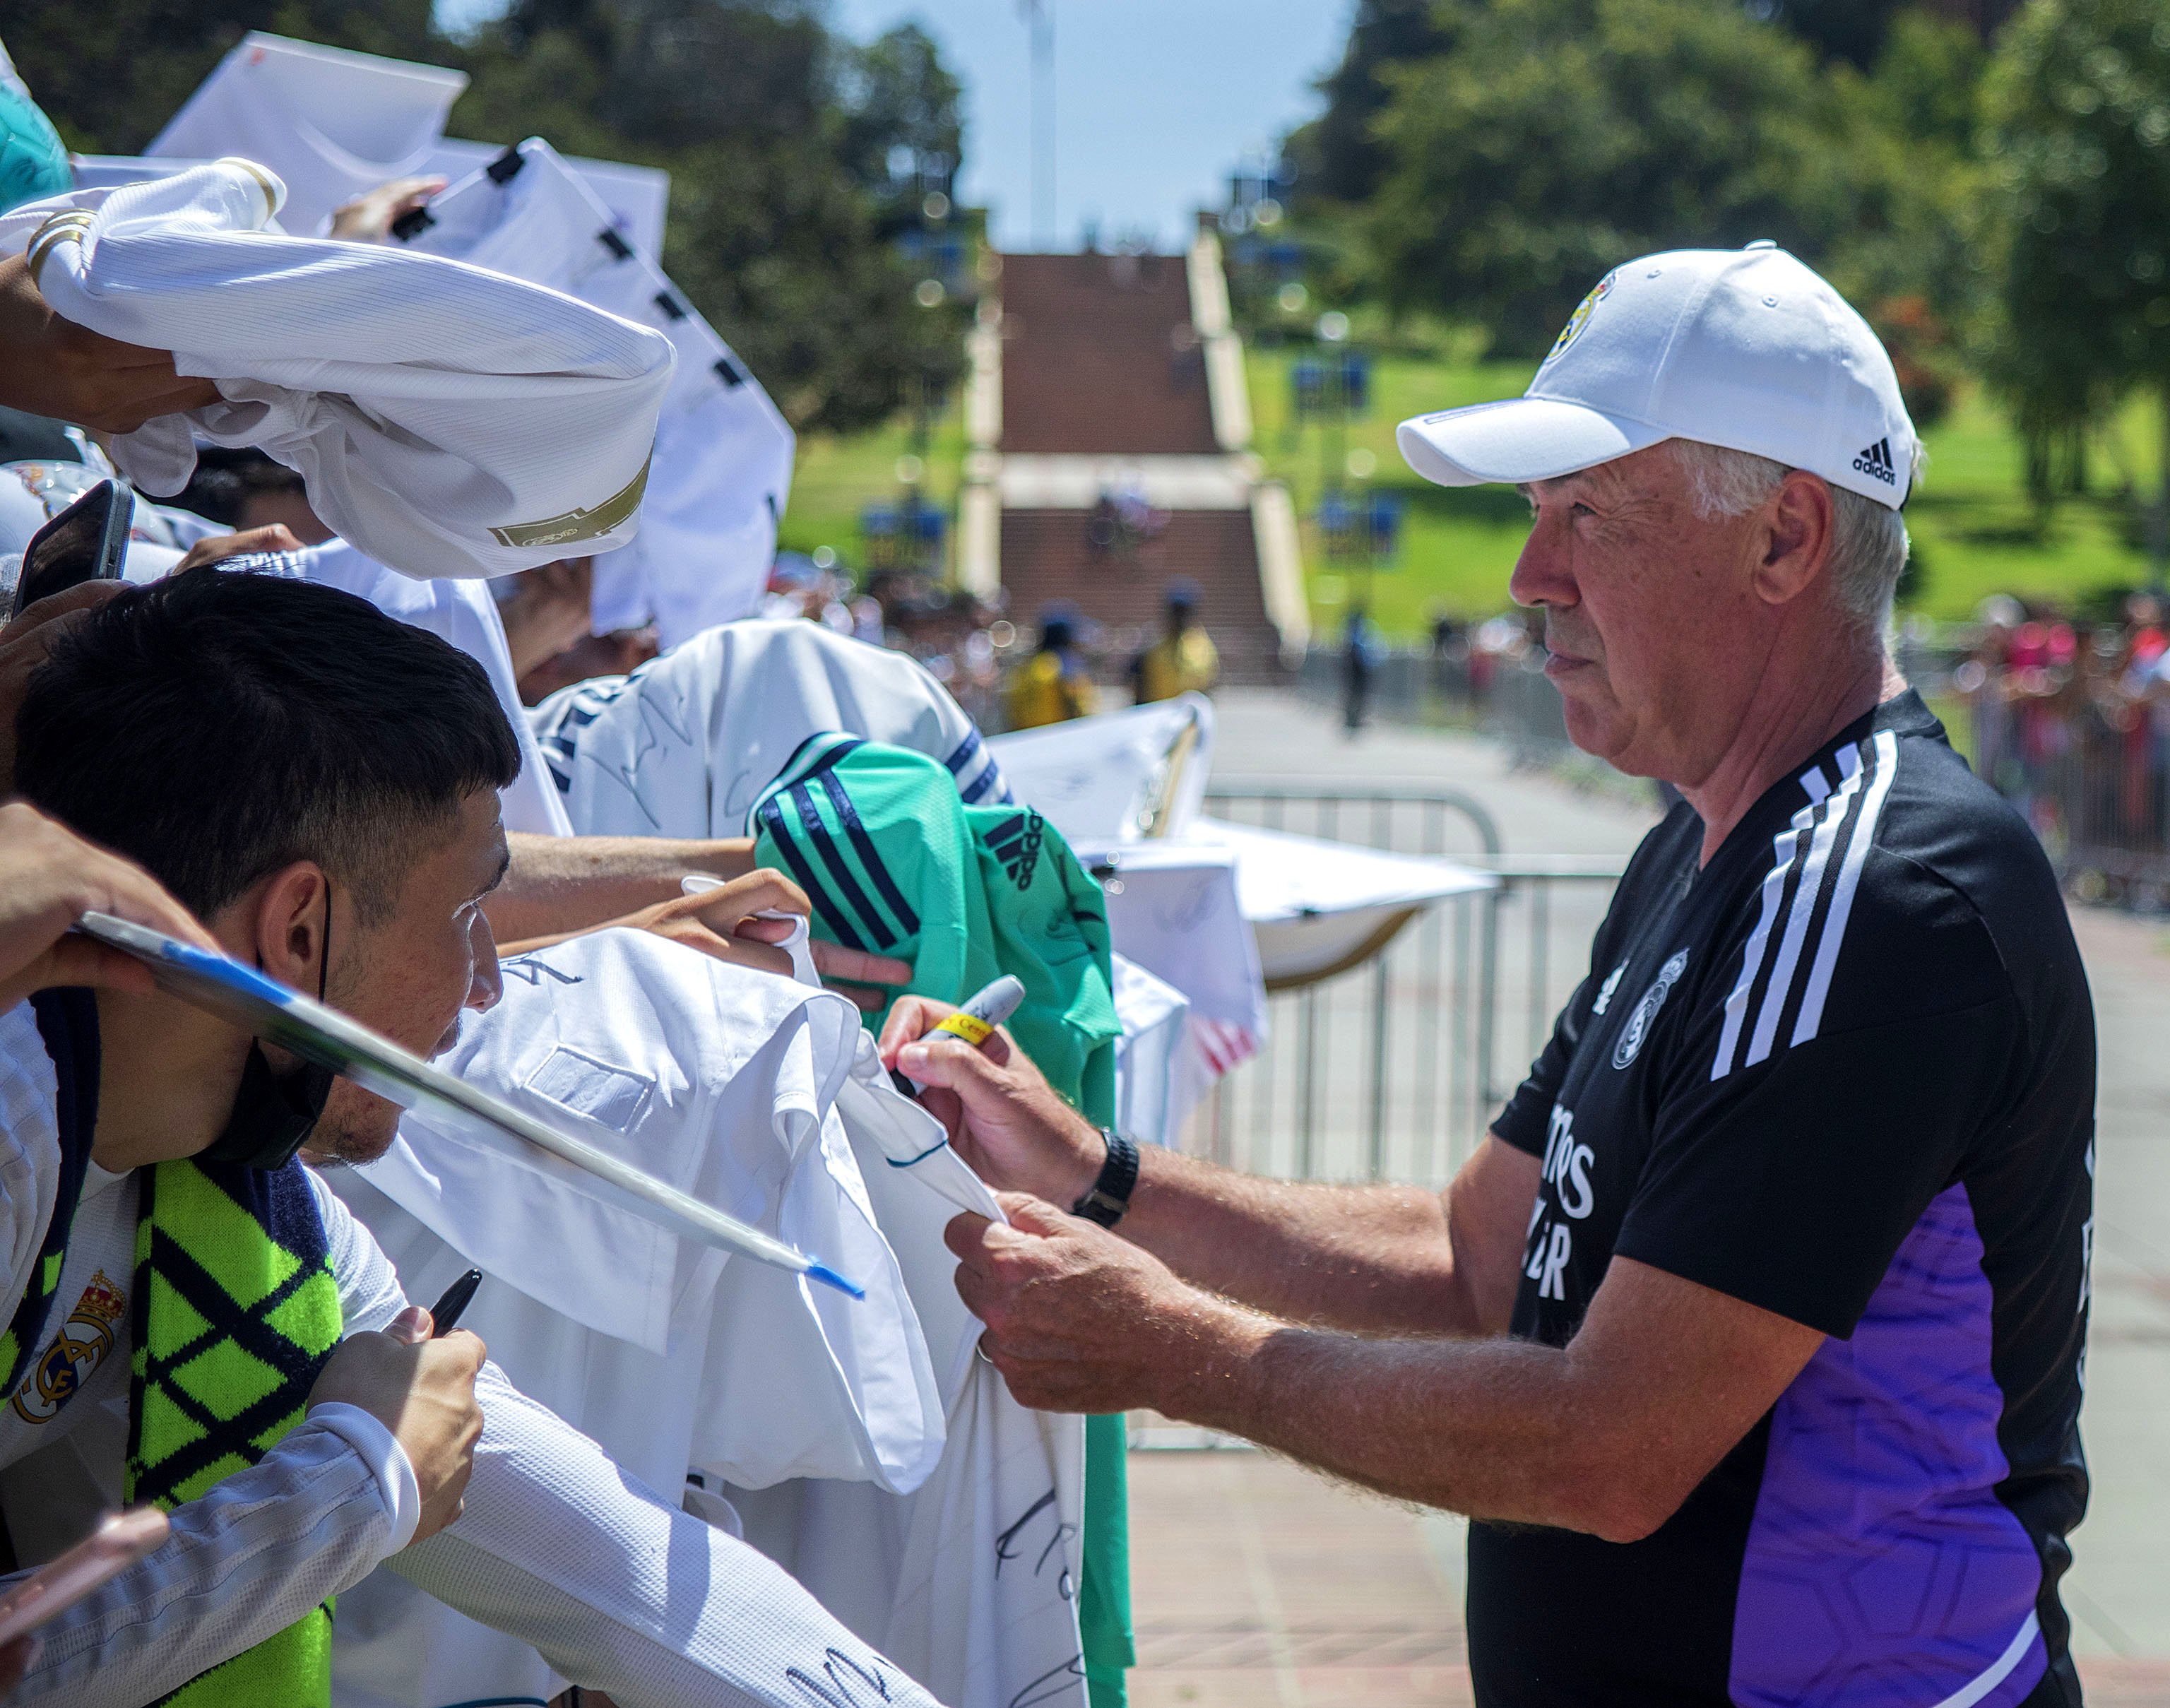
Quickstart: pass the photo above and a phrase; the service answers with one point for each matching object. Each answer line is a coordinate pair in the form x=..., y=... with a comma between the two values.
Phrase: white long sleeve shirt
x=616, y=1588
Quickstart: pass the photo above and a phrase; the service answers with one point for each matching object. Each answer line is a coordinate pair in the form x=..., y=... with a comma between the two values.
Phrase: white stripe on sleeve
x=1841, y=806
x=1849, y=880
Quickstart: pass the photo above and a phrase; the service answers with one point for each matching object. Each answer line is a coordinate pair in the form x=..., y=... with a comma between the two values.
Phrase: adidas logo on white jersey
x=1876, y=462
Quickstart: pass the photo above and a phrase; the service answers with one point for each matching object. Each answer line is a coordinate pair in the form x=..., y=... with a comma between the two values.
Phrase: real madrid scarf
x=895, y=862
x=235, y=1310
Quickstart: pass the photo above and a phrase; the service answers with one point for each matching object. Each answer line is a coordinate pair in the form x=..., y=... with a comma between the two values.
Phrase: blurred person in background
x=1053, y=686
x=1360, y=659
x=1181, y=661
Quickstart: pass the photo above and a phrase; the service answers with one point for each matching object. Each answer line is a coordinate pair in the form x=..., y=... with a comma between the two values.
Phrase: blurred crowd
x=2070, y=720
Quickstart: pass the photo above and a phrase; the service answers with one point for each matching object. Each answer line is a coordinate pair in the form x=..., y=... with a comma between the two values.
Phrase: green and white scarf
x=235, y=1311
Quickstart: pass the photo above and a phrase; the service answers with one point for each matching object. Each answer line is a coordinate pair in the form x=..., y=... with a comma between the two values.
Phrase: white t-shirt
x=463, y=613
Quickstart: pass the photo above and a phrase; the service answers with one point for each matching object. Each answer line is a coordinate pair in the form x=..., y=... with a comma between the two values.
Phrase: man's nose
x=1544, y=572
x=486, y=983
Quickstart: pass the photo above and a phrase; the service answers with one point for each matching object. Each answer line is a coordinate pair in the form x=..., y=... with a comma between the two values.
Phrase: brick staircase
x=1100, y=358
x=1046, y=557
x=1096, y=359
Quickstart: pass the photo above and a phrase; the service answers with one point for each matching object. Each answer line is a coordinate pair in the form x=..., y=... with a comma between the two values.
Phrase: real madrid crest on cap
x=1580, y=317
x=1646, y=1012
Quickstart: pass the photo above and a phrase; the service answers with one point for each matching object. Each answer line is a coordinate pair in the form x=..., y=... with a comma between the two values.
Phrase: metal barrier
x=1393, y=1069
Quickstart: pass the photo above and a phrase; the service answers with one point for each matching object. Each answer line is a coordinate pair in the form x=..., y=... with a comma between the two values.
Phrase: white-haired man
x=1751, y=1336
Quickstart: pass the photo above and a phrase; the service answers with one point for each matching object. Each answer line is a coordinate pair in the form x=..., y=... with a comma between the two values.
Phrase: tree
x=1336, y=155
x=1561, y=137
x=2079, y=107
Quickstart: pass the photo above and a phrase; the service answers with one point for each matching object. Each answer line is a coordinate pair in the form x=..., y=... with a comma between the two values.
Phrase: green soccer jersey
x=895, y=863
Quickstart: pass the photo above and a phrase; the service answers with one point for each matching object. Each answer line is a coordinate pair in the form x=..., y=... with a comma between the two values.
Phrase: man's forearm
x=1494, y=1428
x=1371, y=1257
x=310, y=1519
x=560, y=884
x=1376, y=1259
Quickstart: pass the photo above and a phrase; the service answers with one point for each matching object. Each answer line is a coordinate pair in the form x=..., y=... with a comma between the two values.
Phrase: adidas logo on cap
x=1876, y=463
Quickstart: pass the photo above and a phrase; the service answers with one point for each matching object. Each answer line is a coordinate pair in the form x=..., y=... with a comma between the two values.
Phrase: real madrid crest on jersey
x=82, y=1344
x=1646, y=1012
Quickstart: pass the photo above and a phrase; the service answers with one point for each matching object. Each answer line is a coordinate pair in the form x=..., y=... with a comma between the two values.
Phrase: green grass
x=1976, y=532
x=837, y=477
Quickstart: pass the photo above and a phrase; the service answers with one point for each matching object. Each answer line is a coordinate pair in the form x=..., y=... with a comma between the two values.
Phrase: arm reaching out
x=51, y=367
x=1374, y=1259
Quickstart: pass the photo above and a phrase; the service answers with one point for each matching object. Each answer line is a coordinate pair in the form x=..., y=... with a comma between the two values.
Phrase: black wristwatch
x=1110, y=1195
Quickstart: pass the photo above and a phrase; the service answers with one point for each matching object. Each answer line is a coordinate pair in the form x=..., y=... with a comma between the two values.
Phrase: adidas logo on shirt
x=1016, y=843
x=1876, y=462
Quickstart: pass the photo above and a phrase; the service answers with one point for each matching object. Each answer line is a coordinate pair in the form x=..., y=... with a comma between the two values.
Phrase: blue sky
x=1155, y=100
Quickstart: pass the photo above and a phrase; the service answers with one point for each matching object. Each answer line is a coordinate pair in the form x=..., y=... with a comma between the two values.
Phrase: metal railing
x=1393, y=1069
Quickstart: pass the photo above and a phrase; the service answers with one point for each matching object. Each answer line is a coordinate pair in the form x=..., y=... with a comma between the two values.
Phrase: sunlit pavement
x=1255, y=1583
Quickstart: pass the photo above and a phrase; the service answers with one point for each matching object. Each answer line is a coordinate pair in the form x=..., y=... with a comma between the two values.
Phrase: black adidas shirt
x=1845, y=1072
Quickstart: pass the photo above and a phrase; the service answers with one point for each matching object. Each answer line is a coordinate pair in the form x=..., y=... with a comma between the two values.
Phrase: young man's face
x=410, y=975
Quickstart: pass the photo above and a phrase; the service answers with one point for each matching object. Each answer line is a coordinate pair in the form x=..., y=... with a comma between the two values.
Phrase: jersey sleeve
x=1807, y=1115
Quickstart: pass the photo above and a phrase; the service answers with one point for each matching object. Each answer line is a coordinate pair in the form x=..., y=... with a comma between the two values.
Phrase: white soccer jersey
x=682, y=746
x=447, y=420
x=330, y=122
x=721, y=1082
x=722, y=471
x=968, y=1581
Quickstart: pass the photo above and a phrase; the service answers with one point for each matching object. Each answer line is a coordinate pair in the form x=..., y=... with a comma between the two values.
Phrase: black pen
x=444, y=1314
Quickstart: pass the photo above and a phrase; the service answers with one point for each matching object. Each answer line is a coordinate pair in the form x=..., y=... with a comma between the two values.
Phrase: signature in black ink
x=1050, y=1685
x=1006, y=1548
x=833, y=1688
x=533, y=969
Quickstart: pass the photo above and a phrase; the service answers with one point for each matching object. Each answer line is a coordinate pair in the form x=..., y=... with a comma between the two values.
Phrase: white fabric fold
x=722, y=473
x=447, y=420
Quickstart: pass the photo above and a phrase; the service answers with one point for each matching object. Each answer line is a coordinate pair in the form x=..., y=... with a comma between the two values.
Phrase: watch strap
x=1110, y=1196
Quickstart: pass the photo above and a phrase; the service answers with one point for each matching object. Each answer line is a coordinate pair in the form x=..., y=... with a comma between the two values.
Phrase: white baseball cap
x=1747, y=348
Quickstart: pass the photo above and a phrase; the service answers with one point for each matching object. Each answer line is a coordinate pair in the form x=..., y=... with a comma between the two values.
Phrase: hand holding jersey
x=55, y=367
x=421, y=1388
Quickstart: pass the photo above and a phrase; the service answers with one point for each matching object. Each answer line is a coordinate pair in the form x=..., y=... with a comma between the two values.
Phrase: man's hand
x=51, y=367
x=1004, y=1116
x=548, y=611
x=216, y=548
x=49, y=878
x=24, y=644
x=1079, y=1320
x=423, y=1392
x=368, y=218
x=723, y=922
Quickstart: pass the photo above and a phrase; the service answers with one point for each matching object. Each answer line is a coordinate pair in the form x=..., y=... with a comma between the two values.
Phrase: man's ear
x=282, y=921
x=1797, y=540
